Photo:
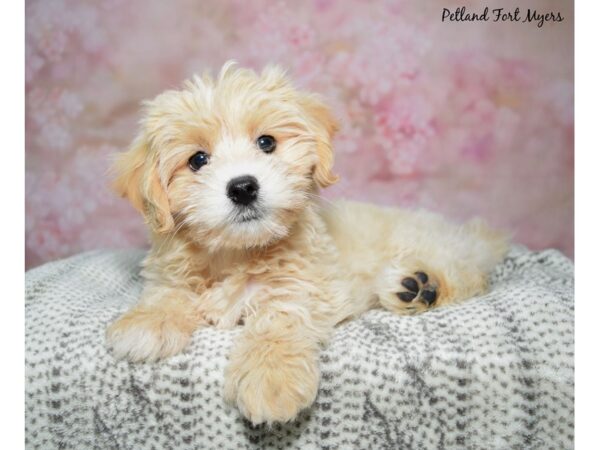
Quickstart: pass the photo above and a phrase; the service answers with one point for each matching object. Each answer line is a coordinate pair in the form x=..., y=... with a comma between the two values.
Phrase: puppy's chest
x=230, y=302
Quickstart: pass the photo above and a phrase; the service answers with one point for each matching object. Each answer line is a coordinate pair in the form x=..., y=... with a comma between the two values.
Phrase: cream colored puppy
x=226, y=172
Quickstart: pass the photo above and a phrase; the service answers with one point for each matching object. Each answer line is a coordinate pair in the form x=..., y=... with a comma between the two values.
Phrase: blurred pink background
x=462, y=118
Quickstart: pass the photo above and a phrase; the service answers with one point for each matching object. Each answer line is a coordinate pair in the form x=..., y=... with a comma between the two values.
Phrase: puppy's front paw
x=268, y=389
x=148, y=334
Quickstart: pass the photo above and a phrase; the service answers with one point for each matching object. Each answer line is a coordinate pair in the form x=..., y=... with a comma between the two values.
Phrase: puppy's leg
x=160, y=325
x=407, y=285
x=448, y=264
x=273, y=371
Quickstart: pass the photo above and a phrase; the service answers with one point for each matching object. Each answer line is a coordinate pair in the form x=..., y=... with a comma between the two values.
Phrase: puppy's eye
x=198, y=160
x=266, y=143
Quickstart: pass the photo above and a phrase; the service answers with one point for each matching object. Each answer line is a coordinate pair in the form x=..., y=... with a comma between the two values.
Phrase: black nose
x=242, y=190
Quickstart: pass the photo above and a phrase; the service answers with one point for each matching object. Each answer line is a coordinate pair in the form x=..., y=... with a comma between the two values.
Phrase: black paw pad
x=422, y=276
x=429, y=295
x=406, y=296
x=411, y=284
x=418, y=289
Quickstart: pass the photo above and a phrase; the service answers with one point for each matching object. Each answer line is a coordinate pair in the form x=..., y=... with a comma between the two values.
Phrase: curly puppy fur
x=285, y=267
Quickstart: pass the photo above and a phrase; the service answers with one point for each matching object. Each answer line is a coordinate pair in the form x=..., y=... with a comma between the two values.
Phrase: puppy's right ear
x=127, y=168
x=138, y=180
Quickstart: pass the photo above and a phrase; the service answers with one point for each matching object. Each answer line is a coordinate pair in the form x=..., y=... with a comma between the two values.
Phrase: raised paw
x=420, y=288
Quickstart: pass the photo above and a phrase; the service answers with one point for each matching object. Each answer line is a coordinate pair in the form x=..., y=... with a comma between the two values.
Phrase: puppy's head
x=233, y=160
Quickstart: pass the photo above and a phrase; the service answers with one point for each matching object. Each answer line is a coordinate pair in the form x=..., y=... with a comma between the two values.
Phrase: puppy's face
x=232, y=160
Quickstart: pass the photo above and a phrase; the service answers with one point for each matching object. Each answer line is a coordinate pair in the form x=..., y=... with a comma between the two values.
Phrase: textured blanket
x=493, y=373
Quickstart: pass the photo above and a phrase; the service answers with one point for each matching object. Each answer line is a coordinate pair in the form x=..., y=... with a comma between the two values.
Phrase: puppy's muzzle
x=243, y=190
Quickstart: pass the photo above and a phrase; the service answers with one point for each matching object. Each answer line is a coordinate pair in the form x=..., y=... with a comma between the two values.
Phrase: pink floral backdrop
x=462, y=118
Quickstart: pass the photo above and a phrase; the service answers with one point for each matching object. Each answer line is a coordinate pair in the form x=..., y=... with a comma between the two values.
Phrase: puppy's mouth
x=247, y=214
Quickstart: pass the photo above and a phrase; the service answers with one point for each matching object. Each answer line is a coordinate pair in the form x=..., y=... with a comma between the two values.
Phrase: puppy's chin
x=245, y=232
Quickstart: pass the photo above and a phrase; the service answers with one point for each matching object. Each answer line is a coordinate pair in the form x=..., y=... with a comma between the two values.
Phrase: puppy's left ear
x=324, y=125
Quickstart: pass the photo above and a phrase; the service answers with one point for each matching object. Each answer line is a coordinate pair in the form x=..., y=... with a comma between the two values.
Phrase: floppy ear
x=324, y=126
x=137, y=179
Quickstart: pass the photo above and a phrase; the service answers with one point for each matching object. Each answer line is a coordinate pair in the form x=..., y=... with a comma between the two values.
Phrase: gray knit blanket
x=495, y=372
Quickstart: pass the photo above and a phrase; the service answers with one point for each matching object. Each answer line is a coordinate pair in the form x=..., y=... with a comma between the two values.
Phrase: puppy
x=227, y=172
